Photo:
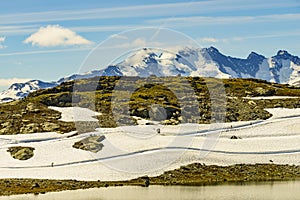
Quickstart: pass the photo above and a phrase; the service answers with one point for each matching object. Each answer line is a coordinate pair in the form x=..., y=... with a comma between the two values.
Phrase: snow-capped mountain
x=21, y=90
x=206, y=62
x=281, y=68
x=209, y=62
x=186, y=62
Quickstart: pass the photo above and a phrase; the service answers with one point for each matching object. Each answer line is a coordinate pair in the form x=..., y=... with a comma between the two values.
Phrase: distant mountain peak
x=282, y=52
x=254, y=55
x=213, y=49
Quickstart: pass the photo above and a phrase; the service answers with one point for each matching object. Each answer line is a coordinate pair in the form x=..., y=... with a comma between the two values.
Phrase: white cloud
x=55, y=35
x=119, y=36
x=223, y=20
x=9, y=81
x=209, y=40
x=271, y=35
x=139, y=42
x=2, y=40
x=164, y=22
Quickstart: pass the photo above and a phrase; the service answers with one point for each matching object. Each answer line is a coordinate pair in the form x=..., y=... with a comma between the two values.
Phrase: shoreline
x=195, y=174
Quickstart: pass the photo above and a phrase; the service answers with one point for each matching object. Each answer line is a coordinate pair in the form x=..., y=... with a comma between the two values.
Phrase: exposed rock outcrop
x=92, y=143
x=21, y=153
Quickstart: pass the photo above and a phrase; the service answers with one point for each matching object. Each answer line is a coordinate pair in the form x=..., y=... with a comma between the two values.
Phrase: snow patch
x=264, y=72
x=285, y=71
x=283, y=112
x=71, y=114
x=270, y=97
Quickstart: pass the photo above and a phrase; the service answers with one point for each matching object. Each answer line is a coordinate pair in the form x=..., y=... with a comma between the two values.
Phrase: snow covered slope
x=21, y=90
x=129, y=152
x=185, y=62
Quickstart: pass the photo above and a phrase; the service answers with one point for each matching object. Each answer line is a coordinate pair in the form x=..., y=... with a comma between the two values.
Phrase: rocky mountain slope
x=32, y=114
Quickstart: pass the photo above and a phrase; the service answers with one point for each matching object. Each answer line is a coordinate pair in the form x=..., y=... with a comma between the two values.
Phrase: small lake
x=271, y=190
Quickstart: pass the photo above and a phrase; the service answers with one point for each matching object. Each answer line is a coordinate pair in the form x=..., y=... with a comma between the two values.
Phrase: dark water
x=273, y=191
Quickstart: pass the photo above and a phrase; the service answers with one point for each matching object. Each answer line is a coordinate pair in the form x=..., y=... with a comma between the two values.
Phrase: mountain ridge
x=21, y=90
x=206, y=62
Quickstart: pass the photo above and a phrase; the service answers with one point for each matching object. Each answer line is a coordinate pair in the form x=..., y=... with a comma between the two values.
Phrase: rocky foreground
x=193, y=175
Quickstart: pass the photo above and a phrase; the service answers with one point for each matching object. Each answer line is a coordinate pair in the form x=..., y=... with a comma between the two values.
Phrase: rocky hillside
x=30, y=116
x=162, y=99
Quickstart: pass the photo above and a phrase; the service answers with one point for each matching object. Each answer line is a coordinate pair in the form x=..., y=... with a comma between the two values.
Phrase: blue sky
x=50, y=39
